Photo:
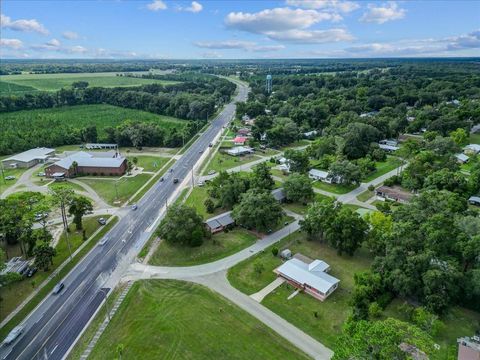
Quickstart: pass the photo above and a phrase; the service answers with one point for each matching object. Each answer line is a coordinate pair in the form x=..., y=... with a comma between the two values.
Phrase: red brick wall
x=84, y=170
x=52, y=169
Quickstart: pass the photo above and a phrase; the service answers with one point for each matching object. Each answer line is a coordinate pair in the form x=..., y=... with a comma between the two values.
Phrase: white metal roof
x=239, y=150
x=32, y=154
x=90, y=160
x=388, y=147
x=473, y=147
x=299, y=272
x=462, y=157
x=318, y=173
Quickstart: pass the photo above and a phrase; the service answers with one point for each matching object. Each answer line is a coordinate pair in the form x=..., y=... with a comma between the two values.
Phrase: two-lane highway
x=53, y=326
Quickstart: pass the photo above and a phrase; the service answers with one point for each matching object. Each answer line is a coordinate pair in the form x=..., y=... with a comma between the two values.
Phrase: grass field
x=300, y=310
x=221, y=161
x=149, y=163
x=80, y=116
x=126, y=187
x=364, y=196
x=196, y=200
x=334, y=188
x=474, y=138
x=219, y=246
x=383, y=167
x=179, y=320
x=5, y=184
x=15, y=84
x=15, y=293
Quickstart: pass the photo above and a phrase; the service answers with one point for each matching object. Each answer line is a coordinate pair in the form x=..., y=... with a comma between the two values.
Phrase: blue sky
x=238, y=29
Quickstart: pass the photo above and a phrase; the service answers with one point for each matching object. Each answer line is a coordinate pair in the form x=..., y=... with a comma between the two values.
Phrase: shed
x=286, y=254
x=219, y=222
x=474, y=200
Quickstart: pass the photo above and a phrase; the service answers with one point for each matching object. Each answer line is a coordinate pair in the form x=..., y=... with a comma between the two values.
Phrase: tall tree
x=262, y=178
x=44, y=254
x=79, y=206
x=298, y=188
x=297, y=161
x=182, y=226
x=257, y=210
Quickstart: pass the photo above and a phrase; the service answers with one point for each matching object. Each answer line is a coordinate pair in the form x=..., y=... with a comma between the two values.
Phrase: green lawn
x=458, y=322
x=364, y=196
x=15, y=293
x=50, y=82
x=68, y=184
x=5, y=184
x=221, y=161
x=219, y=246
x=334, y=188
x=162, y=319
x=126, y=187
x=383, y=167
x=196, y=200
x=474, y=138
x=300, y=310
x=149, y=163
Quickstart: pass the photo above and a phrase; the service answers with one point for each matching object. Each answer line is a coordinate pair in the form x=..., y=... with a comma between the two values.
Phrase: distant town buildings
x=469, y=348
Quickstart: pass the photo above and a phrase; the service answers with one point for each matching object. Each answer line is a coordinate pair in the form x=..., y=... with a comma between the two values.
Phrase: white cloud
x=383, y=13
x=278, y=19
x=52, y=45
x=11, y=43
x=312, y=36
x=195, y=7
x=78, y=49
x=70, y=35
x=414, y=47
x=24, y=25
x=238, y=44
x=211, y=55
x=157, y=5
x=334, y=5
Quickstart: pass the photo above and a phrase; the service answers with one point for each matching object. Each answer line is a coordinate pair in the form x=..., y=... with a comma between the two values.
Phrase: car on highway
x=161, y=180
x=200, y=151
x=210, y=145
x=58, y=288
x=102, y=221
x=103, y=241
x=175, y=181
x=134, y=207
x=13, y=335
x=10, y=177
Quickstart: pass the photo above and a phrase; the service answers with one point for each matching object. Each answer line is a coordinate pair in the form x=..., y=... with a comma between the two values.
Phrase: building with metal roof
x=310, y=277
x=220, y=222
x=28, y=158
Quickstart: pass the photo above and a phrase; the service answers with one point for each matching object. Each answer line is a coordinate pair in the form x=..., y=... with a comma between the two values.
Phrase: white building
x=240, y=151
x=311, y=277
x=462, y=158
x=320, y=175
x=389, y=148
x=472, y=149
x=28, y=158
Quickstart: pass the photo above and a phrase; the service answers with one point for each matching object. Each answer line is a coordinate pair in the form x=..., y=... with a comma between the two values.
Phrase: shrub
x=374, y=310
x=274, y=251
x=371, y=187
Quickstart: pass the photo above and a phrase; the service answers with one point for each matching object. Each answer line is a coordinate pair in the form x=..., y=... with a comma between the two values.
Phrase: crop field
x=80, y=116
x=17, y=84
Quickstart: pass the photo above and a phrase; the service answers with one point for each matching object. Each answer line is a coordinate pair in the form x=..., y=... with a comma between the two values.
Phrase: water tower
x=268, y=84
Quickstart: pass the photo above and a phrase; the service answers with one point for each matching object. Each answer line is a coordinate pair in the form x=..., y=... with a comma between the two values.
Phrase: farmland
x=17, y=84
x=60, y=126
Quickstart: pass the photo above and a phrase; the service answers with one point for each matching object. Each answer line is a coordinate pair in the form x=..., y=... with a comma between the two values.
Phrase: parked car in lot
x=201, y=183
x=58, y=288
x=10, y=177
x=13, y=335
x=102, y=221
x=31, y=271
x=40, y=216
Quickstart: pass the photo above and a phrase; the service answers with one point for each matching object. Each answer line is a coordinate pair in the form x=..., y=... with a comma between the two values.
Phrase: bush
x=371, y=187
x=209, y=205
x=274, y=251
x=374, y=310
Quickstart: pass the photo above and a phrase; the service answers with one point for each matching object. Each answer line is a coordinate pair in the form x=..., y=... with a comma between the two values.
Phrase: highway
x=51, y=329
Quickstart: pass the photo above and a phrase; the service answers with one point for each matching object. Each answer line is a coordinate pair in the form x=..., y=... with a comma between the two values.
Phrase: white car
x=13, y=335
x=10, y=177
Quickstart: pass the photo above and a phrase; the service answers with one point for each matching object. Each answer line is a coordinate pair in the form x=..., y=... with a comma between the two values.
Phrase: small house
x=324, y=176
x=472, y=149
x=474, y=200
x=279, y=194
x=394, y=193
x=310, y=276
x=388, y=148
x=220, y=222
x=244, y=132
x=310, y=134
x=240, y=140
x=240, y=151
x=390, y=142
x=462, y=158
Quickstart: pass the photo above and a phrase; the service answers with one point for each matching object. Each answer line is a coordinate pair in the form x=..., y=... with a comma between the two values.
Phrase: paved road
x=54, y=325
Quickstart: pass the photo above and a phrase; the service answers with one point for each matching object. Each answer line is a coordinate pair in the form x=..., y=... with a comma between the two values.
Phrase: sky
x=216, y=29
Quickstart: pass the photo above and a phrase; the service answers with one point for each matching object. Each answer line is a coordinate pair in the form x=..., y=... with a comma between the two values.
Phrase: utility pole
x=193, y=180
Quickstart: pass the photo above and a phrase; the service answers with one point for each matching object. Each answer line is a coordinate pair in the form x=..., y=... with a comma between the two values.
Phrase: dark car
x=31, y=271
x=175, y=180
x=210, y=145
x=161, y=179
x=102, y=221
x=58, y=288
